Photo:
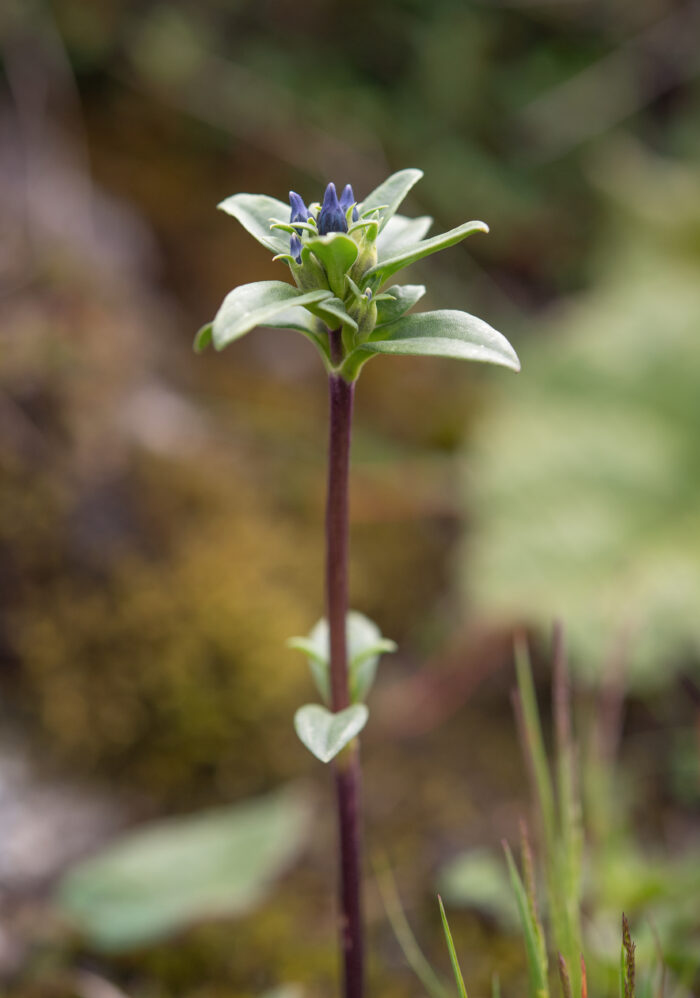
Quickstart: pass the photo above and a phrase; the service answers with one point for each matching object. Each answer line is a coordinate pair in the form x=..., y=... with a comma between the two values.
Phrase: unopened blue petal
x=331, y=218
x=295, y=248
x=347, y=198
x=300, y=213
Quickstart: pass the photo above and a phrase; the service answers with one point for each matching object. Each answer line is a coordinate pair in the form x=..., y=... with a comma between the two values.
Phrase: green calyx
x=339, y=279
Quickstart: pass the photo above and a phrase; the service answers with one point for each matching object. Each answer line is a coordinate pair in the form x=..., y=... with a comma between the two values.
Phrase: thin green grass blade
x=415, y=957
x=534, y=744
x=536, y=759
x=456, y=969
x=539, y=987
x=568, y=877
x=528, y=878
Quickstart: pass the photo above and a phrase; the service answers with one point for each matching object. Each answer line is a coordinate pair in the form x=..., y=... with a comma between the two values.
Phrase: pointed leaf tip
x=404, y=255
x=390, y=194
x=203, y=338
x=456, y=969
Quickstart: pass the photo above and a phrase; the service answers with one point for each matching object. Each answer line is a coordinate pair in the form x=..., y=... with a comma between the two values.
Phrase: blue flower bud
x=331, y=218
x=347, y=198
x=300, y=213
x=295, y=248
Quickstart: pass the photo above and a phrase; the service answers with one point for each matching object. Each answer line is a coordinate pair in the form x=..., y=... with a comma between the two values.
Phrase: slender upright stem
x=347, y=765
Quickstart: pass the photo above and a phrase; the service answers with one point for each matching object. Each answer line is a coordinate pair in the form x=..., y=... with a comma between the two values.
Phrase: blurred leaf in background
x=164, y=877
x=588, y=470
x=478, y=879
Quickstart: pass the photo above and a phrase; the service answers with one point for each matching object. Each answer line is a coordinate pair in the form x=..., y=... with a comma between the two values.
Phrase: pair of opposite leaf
x=324, y=733
x=341, y=254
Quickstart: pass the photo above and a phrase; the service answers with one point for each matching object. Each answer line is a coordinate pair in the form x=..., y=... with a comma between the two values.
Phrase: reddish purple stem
x=347, y=766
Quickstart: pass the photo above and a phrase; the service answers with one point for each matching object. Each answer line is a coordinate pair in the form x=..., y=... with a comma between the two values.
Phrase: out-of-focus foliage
x=591, y=861
x=159, y=513
x=172, y=667
x=478, y=879
x=177, y=871
x=587, y=478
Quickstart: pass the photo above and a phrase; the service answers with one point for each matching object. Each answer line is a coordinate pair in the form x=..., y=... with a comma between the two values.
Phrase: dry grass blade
x=628, y=949
x=584, y=979
x=564, y=977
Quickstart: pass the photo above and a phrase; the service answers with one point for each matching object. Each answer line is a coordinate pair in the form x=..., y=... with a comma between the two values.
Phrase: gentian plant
x=341, y=254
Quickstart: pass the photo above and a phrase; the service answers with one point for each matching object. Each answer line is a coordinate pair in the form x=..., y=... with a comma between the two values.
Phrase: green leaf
x=390, y=193
x=400, y=232
x=365, y=646
x=298, y=318
x=172, y=873
x=456, y=969
x=255, y=213
x=403, y=297
x=325, y=734
x=203, y=338
x=410, y=254
x=363, y=668
x=257, y=304
x=337, y=252
x=315, y=647
x=445, y=333
x=332, y=312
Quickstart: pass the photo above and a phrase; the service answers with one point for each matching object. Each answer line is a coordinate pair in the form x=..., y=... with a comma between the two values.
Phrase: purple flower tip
x=331, y=217
x=300, y=213
x=347, y=198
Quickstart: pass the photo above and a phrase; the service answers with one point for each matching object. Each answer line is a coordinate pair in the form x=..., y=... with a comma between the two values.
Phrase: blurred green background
x=160, y=514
